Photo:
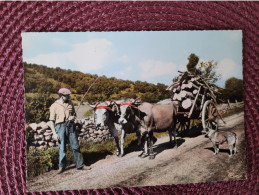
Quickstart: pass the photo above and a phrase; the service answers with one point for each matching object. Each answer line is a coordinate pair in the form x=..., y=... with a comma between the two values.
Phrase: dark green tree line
x=42, y=79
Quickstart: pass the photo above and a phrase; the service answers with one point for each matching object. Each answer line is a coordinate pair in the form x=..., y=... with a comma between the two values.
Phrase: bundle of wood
x=189, y=91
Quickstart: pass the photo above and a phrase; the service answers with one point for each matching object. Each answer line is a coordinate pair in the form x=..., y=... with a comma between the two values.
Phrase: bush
x=88, y=113
x=37, y=107
x=29, y=137
x=41, y=161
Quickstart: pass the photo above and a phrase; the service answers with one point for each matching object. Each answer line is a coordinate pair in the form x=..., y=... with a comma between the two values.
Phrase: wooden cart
x=196, y=100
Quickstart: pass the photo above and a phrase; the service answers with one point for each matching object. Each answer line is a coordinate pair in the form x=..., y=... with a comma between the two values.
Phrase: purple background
x=17, y=17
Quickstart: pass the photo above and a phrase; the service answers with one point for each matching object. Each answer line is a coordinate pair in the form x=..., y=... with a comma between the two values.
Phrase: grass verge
x=42, y=161
x=233, y=111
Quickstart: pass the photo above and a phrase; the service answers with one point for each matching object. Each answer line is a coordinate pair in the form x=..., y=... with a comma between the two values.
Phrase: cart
x=196, y=100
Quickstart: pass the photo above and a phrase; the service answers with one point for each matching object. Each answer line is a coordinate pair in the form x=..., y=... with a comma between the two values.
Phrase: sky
x=152, y=56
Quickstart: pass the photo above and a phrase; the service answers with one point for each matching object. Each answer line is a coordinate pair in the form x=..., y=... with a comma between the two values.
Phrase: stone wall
x=85, y=128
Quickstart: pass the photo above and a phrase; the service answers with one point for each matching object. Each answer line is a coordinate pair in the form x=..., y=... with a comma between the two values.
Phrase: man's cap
x=64, y=91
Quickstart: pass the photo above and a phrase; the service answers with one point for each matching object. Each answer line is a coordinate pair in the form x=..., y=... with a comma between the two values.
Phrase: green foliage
x=233, y=90
x=37, y=107
x=88, y=113
x=205, y=69
x=29, y=137
x=42, y=79
x=208, y=70
x=41, y=161
x=193, y=61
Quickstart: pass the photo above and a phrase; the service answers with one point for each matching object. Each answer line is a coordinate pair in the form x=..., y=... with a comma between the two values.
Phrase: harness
x=128, y=104
x=102, y=107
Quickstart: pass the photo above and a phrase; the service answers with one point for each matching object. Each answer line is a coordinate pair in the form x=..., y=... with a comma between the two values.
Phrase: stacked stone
x=89, y=133
x=42, y=135
x=224, y=108
x=85, y=128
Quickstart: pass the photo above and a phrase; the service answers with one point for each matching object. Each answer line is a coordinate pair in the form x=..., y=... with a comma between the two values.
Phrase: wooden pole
x=190, y=113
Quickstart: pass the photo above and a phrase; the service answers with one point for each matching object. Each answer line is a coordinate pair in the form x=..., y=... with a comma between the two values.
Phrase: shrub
x=88, y=113
x=29, y=137
x=37, y=107
x=41, y=161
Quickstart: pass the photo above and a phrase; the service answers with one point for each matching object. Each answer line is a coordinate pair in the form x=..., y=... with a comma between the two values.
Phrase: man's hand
x=71, y=118
x=55, y=135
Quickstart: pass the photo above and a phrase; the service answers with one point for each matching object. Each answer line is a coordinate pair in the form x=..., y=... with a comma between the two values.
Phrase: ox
x=134, y=118
x=156, y=118
x=108, y=114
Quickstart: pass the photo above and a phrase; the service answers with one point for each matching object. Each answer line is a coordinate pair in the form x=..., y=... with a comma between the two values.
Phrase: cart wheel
x=183, y=125
x=209, y=116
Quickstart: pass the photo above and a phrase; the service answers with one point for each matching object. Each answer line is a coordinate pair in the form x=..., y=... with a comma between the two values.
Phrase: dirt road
x=192, y=162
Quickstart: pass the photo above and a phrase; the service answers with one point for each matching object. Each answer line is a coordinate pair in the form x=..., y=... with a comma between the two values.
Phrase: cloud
x=152, y=68
x=91, y=55
x=85, y=57
x=227, y=68
x=51, y=60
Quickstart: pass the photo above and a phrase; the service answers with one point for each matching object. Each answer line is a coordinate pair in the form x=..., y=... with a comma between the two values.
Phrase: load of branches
x=190, y=91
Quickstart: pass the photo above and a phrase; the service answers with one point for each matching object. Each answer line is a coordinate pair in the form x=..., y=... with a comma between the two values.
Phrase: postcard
x=130, y=109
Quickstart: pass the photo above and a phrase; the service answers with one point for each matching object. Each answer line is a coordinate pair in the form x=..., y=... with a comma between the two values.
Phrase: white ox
x=107, y=114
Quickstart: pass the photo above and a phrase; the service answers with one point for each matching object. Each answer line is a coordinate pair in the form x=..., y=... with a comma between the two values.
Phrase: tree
x=193, y=61
x=205, y=69
x=233, y=90
x=208, y=70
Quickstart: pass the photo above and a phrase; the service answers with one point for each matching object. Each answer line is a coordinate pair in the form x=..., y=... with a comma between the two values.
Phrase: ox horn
x=136, y=100
x=114, y=106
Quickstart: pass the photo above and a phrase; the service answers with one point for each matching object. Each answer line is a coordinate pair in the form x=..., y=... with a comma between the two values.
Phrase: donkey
x=107, y=114
x=155, y=118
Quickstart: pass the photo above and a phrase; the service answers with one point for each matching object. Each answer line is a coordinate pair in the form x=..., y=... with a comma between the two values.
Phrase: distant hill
x=42, y=79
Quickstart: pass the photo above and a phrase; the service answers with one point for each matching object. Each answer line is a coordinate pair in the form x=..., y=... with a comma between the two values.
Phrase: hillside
x=42, y=79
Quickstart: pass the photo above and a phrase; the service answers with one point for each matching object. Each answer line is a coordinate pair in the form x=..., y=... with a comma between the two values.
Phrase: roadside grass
x=233, y=111
x=88, y=113
x=161, y=134
x=41, y=161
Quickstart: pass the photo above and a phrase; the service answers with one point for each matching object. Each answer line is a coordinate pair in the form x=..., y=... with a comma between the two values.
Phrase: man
x=62, y=116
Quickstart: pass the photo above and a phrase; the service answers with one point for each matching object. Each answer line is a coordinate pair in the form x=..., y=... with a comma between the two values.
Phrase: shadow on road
x=93, y=157
x=133, y=147
x=220, y=150
x=167, y=145
x=194, y=131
